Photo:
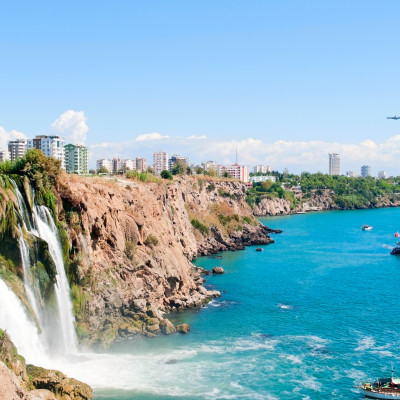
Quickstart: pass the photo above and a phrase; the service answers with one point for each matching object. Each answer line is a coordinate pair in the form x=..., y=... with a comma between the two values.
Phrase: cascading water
x=22, y=330
x=30, y=288
x=47, y=231
x=58, y=331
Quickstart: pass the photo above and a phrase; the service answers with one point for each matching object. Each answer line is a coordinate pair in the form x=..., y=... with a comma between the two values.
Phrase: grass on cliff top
x=219, y=215
x=142, y=176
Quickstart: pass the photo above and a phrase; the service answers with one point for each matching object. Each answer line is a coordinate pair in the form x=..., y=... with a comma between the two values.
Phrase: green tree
x=178, y=169
x=165, y=174
x=199, y=170
x=102, y=170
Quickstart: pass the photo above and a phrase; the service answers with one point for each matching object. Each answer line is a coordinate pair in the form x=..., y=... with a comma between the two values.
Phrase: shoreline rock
x=28, y=382
x=218, y=270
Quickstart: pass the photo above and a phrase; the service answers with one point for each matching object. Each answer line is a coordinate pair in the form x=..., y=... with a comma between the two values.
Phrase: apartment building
x=105, y=163
x=236, y=171
x=264, y=169
x=17, y=148
x=141, y=164
x=76, y=159
x=176, y=158
x=51, y=146
x=160, y=162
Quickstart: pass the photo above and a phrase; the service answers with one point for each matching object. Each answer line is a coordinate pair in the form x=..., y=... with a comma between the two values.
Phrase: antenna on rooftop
x=236, y=156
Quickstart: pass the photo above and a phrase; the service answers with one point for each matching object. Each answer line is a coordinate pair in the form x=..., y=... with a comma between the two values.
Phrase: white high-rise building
x=209, y=165
x=106, y=163
x=51, y=146
x=351, y=174
x=382, y=175
x=160, y=162
x=334, y=164
x=264, y=169
x=17, y=148
x=365, y=171
x=130, y=164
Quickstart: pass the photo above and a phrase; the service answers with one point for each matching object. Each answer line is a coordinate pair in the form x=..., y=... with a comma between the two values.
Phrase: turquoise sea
x=309, y=317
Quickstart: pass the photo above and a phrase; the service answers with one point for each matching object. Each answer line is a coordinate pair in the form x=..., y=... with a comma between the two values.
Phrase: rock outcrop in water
x=18, y=381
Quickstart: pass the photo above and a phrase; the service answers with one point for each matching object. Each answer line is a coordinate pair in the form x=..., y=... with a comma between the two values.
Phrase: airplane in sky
x=395, y=117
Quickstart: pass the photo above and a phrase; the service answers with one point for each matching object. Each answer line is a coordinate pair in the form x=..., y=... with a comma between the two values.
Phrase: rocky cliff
x=317, y=200
x=131, y=243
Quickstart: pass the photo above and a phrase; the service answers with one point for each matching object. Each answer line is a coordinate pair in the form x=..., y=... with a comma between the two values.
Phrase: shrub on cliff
x=199, y=226
x=151, y=241
x=43, y=171
x=166, y=174
x=210, y=187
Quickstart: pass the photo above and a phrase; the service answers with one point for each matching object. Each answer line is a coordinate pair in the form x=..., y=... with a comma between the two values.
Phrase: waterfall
x=58, y=330
x=30, y=287
x=22, y=330
x=47, y=231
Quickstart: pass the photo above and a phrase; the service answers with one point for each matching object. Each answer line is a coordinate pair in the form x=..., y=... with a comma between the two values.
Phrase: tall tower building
x=334, y=164
x=365, y=171
x=160, y=162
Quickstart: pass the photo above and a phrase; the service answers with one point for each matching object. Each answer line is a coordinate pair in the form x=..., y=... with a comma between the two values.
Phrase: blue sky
x=284, y=82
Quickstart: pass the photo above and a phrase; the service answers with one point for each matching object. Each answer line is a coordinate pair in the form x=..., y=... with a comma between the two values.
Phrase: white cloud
x=5, y=136
x=150, y=136
x=72, y=125
x=195, y=137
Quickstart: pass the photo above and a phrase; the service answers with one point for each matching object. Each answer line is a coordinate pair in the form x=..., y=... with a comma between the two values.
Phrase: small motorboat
x=259, y=249
x=366, y=228
x=396, y=250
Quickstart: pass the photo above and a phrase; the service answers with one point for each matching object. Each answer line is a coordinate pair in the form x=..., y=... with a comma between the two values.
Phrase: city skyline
x=285, y=84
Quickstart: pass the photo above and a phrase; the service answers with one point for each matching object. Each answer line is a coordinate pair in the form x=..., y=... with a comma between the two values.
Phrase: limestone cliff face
x=274, y=206
x=131, y=244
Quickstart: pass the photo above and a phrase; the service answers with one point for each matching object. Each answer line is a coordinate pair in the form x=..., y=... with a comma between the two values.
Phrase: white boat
x=385, y=388
x=366, y=228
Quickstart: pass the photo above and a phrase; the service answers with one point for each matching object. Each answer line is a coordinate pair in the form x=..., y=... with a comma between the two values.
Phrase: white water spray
x=28, y=281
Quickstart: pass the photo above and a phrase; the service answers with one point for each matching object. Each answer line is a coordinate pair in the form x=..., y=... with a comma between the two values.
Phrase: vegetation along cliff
x=308, y=192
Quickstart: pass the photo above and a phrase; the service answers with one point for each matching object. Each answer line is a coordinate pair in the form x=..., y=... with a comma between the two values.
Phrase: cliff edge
x=131, y=244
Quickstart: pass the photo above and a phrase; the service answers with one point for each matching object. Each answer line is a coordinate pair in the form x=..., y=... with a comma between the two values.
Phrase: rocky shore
x=19, y=381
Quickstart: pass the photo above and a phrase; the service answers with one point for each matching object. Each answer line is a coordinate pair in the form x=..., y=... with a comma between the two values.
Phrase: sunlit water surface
x=307, y=318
